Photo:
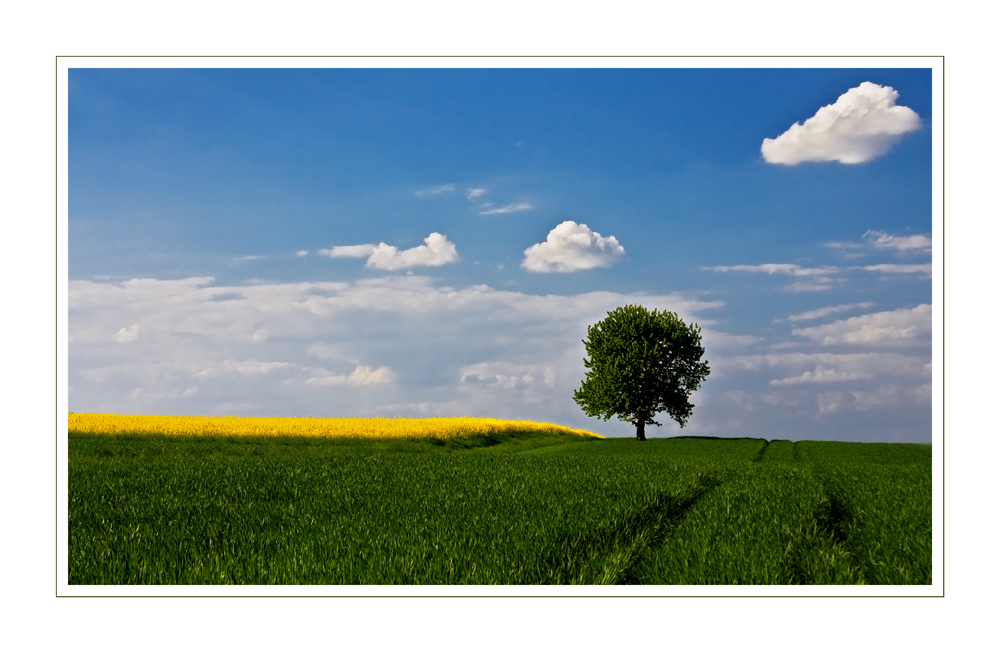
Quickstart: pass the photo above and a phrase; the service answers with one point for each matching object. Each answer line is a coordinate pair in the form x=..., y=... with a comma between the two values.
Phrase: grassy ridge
x=542, y=509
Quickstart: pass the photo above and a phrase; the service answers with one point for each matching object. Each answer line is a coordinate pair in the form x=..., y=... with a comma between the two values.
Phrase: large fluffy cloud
x=862, y=124
x=570, y=247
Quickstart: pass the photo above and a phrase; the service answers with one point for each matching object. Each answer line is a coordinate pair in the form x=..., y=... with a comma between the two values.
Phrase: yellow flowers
x=336, y=427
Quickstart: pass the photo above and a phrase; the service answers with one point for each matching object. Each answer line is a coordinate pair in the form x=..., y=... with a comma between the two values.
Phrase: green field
x=522, y=510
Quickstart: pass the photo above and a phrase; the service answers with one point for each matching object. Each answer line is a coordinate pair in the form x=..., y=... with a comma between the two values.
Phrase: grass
x=523, y=508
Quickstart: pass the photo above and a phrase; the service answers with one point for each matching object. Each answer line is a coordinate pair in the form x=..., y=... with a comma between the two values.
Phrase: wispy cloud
x=570, y=247
x=810, y=368
x=882, y=241
x=846, y=249
x=509, y=208
x=880, y=397
x=361, y=375
x=436, y=190
x=921, y=269
x=820, y=374
x=475, y=193
x=302, y=252
x=902, y=327
x=776, y=268
x=826, y=310
x=349, y=251
x=250, y=368
x=902, y=244
x=863, y=123
x=815, y=279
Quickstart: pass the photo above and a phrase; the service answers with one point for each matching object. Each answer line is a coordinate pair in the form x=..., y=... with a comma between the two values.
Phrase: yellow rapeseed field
x=335, y=427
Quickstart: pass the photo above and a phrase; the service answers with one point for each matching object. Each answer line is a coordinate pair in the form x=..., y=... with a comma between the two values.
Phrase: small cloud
x=474, y=193
x=362, y=375
x=436, y=250
x=827, y=310
x=570, y=247
x=348, y=251
x=901, y=244
x=509, y=208
x=862, y=124
x=437, y=190
x=129, y=334
x=240, y=259
x=302, y=252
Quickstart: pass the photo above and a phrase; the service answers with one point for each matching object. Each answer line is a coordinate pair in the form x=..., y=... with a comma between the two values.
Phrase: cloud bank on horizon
x=812, y=290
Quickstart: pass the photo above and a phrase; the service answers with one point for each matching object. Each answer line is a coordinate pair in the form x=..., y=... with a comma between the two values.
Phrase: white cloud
x=474, y=193
x=902, y=327
x=862, y=124
x=361, y=375
x=827, y=310
x=302, y=252
x=907, y=244
x=128, y=334
x=349, y=251
x=437, y=250
x=922, y=269
x=570, y=247
x=509, y=208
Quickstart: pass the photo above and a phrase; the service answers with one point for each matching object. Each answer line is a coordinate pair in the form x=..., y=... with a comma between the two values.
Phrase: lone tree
x=641, y=363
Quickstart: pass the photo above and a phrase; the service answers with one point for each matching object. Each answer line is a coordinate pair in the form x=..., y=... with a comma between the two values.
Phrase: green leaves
x=641, y=363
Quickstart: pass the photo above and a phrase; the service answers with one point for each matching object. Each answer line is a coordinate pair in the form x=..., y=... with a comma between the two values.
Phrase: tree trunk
x=640, y=430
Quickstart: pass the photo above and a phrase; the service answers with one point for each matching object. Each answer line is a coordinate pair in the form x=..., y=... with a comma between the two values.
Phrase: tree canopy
x=641, y=363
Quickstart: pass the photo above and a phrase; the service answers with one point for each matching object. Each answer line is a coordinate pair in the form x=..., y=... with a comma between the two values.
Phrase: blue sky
x=337, y=242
